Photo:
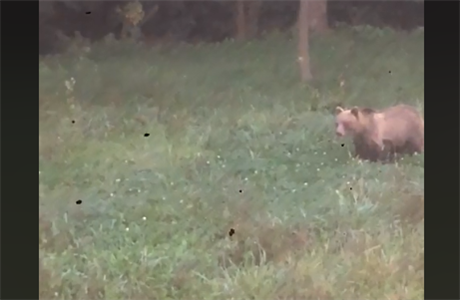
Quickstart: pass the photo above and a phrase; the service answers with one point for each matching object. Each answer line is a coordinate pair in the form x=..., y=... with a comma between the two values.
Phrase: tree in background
x=303, y=27
x=317, y=16
x=133, y=17
x=312, y=18
x=247, y=18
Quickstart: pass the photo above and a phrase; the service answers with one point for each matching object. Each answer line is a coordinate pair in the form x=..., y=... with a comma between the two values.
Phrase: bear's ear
x=338, y=110
x=355, y=112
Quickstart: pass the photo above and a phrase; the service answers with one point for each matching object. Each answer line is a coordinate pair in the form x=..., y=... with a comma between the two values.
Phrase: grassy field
x=170, y=149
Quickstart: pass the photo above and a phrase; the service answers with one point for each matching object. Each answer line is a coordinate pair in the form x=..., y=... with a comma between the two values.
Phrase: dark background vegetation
x=212, y=21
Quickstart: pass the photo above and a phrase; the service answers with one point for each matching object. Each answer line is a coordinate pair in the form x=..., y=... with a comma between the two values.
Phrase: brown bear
x=380, y=135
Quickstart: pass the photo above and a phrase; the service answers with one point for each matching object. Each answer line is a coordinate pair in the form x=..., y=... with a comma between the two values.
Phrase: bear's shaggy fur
x=379, y=135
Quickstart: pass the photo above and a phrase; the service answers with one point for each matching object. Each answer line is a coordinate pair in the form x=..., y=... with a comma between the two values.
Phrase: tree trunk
x=240, y=20
x=253, y=17
x=247, y=18
x=317, y=16
x=303, y=27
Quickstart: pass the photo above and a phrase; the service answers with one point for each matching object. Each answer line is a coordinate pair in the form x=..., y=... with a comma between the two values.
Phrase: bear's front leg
x=363, y=151
x=388, y=153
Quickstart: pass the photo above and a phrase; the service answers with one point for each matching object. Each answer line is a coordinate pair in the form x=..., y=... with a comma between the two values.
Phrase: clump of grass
x=229, y=146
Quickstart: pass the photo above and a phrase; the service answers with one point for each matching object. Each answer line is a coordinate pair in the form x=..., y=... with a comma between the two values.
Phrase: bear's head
x=352, y=122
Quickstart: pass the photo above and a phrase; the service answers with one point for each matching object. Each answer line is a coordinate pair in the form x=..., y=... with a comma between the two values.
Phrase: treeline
x=213, y=21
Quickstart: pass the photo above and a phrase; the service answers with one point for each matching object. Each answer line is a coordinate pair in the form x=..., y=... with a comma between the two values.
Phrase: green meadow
x=210, y=171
